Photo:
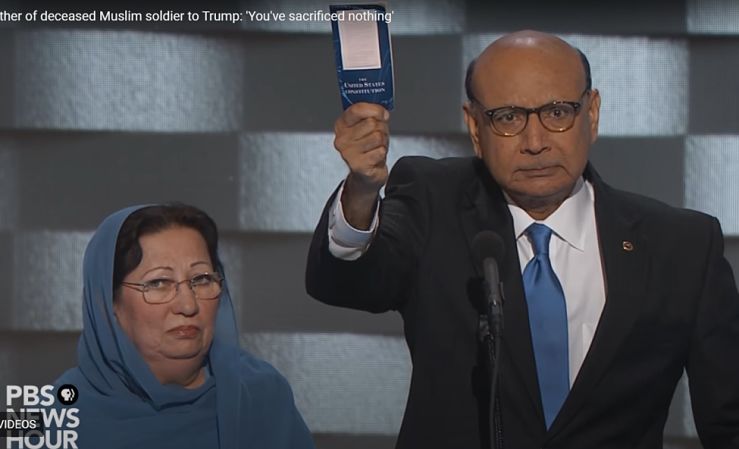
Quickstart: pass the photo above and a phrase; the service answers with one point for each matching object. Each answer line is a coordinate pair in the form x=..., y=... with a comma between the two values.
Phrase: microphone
x=488, y=249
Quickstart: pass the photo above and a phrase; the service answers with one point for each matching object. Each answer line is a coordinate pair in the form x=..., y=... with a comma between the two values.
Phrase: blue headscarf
x=244, y=401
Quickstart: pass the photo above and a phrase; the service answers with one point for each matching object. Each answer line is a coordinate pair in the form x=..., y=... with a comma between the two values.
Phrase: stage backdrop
x=237, y=118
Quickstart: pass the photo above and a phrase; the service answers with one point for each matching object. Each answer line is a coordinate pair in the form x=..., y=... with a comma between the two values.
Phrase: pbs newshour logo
x=67, y=394
x=40, y=417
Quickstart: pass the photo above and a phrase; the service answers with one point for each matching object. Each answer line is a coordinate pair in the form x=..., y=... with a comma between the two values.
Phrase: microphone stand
x=493, y=320
x=488, y=249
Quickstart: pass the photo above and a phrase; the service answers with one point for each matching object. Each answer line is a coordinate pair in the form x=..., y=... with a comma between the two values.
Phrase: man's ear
x=472, y=127
x=594, y=114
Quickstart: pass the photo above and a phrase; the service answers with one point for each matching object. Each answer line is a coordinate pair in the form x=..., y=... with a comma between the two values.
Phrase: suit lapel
x=625, y=259
x=483, y=207
x=624, y=256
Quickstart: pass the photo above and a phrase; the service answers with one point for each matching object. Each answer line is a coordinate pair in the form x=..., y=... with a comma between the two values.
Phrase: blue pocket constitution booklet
x=364, y=58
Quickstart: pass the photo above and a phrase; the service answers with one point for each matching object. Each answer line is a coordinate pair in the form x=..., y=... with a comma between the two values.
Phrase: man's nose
x=534, y=135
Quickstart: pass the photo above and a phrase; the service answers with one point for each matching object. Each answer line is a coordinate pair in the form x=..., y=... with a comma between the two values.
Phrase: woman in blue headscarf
x=160, y=364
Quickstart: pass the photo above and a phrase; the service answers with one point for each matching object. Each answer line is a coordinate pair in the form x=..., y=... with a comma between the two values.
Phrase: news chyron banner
x=39, y=417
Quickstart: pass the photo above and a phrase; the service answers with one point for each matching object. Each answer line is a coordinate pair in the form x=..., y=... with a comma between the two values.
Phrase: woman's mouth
x=188, y=331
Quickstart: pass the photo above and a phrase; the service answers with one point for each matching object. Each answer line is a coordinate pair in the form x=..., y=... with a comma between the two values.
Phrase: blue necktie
x=548, y=321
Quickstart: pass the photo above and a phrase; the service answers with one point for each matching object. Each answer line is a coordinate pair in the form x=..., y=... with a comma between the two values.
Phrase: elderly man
x=609, y=296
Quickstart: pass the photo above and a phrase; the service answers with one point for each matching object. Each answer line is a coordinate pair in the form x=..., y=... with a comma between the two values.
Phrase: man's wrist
x=359, y=204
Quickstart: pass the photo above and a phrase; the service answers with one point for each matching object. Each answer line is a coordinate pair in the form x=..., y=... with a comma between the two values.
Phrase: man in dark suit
x=609, y=296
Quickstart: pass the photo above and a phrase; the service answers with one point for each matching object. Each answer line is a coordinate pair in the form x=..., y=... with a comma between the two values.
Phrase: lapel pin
x=627, y=246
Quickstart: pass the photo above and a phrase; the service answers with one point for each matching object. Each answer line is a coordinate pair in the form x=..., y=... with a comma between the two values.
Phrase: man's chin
x=537, y=194
x=543, y=189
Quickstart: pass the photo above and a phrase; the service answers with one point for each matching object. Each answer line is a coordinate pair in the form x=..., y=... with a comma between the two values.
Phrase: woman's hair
x=153, y=219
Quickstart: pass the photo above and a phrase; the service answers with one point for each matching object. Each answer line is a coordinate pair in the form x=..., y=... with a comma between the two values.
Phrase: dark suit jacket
x=671, y=304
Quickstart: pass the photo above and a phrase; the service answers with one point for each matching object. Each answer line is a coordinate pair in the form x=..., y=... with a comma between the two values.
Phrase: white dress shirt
x=345, y=241
x=575, y=256
x=573, y=251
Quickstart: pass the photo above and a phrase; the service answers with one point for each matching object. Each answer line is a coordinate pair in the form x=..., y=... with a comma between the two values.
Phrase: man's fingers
x=363, y=137
x=360, y=129
x=377, y=158
x=370, y=161
x=358, y=147
x=367, y=127
x=376, y=136
x=360, y=111
x=370, y=170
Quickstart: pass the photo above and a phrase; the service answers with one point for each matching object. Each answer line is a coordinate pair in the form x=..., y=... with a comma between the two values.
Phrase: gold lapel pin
x=627, y=246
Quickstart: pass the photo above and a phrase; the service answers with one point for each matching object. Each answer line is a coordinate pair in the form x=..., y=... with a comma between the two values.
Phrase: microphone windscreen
x=487, y=244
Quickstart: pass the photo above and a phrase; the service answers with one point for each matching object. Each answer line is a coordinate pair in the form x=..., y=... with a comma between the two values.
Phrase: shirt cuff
x=344, y=241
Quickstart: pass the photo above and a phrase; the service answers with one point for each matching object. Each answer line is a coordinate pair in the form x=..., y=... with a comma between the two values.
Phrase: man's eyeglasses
x=558, y=116
x=160, y=291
